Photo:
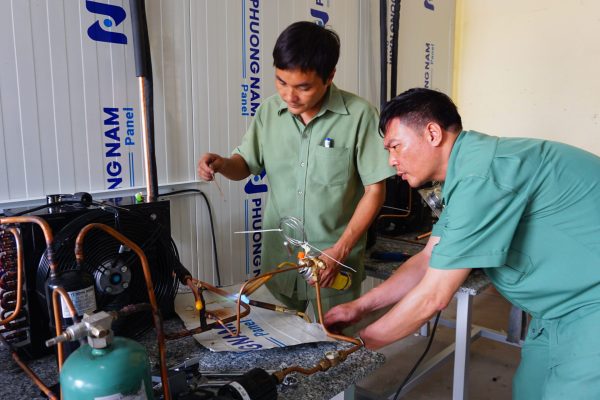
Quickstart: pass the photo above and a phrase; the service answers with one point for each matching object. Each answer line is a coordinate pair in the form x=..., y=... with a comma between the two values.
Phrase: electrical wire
x=414, y=368
x=49, y=205
x=212, y=228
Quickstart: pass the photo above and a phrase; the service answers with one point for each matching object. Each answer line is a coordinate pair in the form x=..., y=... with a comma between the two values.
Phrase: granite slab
x=320, y=386
x=476, y=283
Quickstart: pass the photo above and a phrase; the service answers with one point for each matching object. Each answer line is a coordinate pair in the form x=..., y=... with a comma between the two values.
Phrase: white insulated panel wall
x=56, y=83
x=229, y=51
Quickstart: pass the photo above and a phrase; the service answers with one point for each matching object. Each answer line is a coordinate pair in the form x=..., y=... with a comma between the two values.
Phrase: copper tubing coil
x=28, y=371
x=149, y=285
x=14, y=325
x=19, y=288
x=7, y=313
x=10, y=285
x=8, y=276
x=56, y=309
x=8, y=299
x=15, y=336
x=48, y=236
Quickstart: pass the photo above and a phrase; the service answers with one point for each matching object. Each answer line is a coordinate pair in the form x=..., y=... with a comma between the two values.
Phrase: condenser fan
x=117, y=271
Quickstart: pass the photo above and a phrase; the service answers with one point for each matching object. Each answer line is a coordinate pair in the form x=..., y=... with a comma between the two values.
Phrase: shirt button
x=302, y=164
x=300, y=192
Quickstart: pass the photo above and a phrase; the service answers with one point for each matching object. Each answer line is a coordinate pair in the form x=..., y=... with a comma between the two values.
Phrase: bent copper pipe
x=403, y=215
x=325, y=363
x=322, y=365
x=149, y=285
x=38, y=382
x=20, y=267
x=260, y=277
x=57, y=310
x=320, y=311
x=218, y=321
x=45, y=229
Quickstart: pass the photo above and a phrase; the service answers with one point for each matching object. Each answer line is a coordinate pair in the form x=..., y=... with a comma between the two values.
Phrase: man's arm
x=234, y=168
x=364, y=214
x=392, y=290
x=432, y=294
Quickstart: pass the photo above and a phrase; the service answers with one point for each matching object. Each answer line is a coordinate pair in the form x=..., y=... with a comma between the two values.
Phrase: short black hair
x=419, y=106
x=309, y=47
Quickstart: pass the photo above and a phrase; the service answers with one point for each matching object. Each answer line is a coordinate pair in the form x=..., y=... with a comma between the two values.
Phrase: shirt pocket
x=332, y=165
x=515, y=268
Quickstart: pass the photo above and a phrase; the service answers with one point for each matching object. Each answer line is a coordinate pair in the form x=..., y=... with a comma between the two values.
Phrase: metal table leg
x=460, y=386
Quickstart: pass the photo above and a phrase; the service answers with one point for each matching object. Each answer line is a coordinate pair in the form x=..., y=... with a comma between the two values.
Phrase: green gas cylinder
x=120, y=370
x=108, y=367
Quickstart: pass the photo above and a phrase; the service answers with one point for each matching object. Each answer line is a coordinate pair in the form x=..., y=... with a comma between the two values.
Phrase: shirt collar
x=334, y=102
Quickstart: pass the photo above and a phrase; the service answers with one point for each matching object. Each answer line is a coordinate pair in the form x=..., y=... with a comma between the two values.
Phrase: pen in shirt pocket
x=328, y=143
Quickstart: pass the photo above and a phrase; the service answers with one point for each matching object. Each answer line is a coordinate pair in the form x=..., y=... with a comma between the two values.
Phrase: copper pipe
x=423, y=236
x=57, y=310
x=322, y=365
x=262, y=279
x=409, y=241
x=278, y=308
x=223, y=322
x=406, y=214
x=133, y=309
x=197, y=300
x=239, y=297
x=255, y=285
x=38, y=382
x=320, y=311
x=19, y=243
x=150, y=286
x=45, y=229
x=145, y=139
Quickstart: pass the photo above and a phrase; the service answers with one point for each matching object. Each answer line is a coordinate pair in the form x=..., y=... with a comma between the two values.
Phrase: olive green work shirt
x=527, y=211
x=320, y=186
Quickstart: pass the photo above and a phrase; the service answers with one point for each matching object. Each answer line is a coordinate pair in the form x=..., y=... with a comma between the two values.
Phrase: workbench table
x=15, y=385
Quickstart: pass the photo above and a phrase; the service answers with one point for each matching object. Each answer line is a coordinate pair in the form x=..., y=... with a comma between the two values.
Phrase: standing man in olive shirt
x=337, y=189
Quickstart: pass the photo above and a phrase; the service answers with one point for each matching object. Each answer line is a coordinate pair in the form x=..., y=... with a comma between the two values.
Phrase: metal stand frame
x=465, y=334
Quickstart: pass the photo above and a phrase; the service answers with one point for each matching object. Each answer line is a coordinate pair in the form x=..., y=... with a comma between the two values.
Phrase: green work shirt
x=528, y=212
x=320, y=186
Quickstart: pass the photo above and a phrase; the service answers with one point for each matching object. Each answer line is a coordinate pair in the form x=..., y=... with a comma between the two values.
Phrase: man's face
x=303, y=92
x=411, y=153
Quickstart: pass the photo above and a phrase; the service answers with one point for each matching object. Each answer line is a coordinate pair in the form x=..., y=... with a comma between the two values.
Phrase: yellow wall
x=530, y=68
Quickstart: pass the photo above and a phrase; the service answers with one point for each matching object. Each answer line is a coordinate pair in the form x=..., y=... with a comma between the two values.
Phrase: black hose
x=212, y=228
x=394, y=50
x=383, y=53
x=414, y=368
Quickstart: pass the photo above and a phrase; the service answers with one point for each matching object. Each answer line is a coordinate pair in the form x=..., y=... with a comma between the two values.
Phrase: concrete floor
x=492, y=364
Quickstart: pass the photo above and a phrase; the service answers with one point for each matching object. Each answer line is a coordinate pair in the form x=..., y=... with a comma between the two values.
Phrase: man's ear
x=434, y=134
x=330, y=78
